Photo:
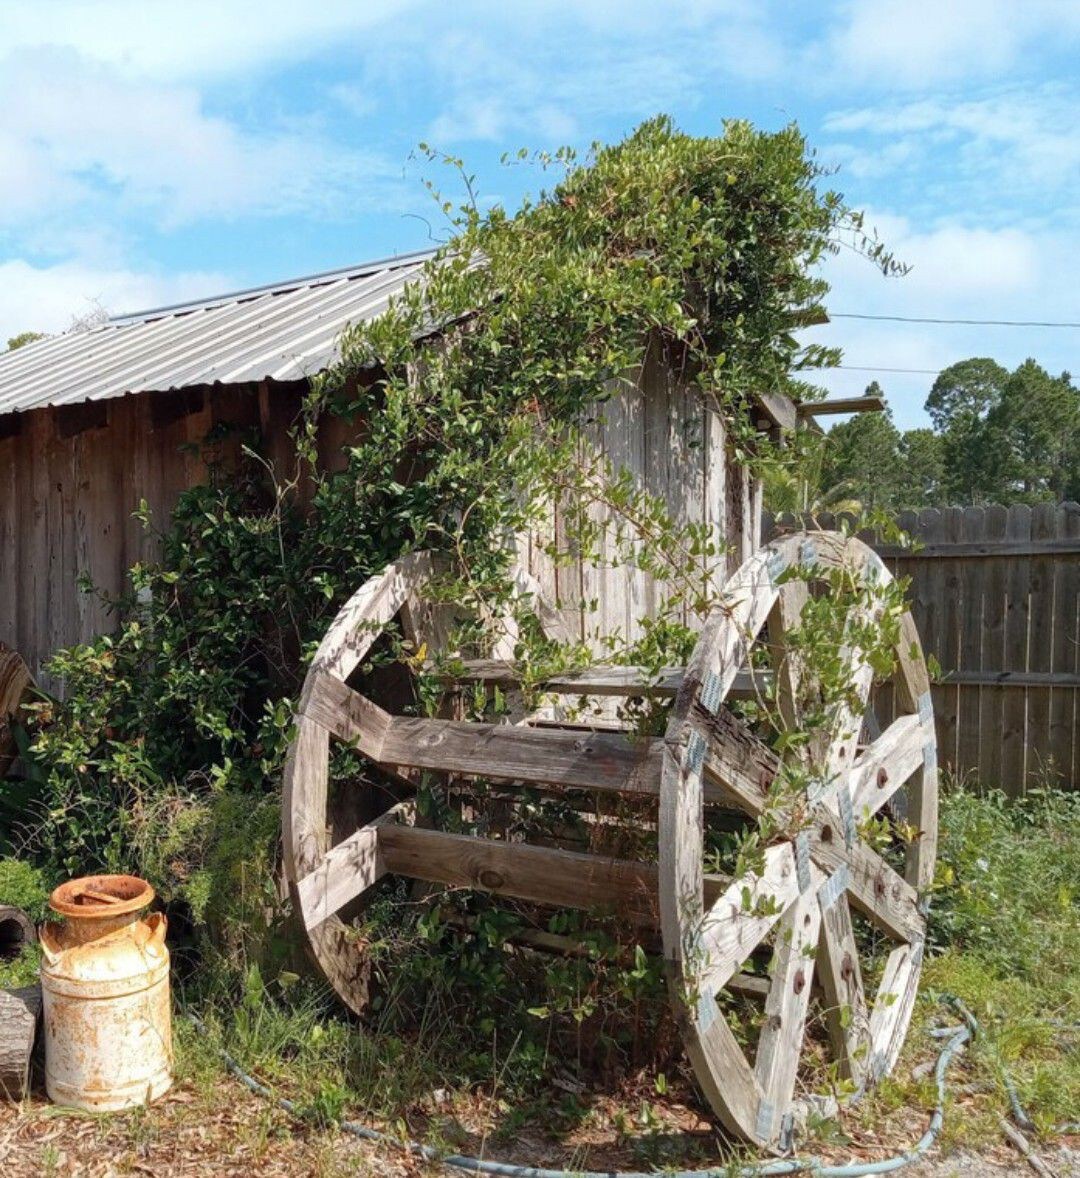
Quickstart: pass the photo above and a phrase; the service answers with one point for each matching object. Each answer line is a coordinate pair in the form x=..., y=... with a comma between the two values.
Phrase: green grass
x=456, y=1049
x=1005, y=939
x=1006, y=930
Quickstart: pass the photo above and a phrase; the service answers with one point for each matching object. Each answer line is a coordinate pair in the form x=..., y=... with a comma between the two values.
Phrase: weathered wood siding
x=995, y=592
x=677, y=449
x=70, y=481
x=71, y=478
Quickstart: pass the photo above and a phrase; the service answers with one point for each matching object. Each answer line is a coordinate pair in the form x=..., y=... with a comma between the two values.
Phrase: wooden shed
x=95, y=421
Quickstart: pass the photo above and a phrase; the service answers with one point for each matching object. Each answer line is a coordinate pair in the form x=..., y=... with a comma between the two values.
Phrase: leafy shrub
x=24, y=886
x=1009, y=880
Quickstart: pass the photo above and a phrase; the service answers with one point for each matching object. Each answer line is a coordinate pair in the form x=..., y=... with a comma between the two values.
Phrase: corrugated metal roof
x=282, y=332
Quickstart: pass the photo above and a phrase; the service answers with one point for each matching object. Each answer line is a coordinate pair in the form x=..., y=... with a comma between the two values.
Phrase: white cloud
x=545, y=72
x=1009, y=141
x=919, y=44
x=162, y=39
x=957, y=272
x=48, y=298
x=78, y=135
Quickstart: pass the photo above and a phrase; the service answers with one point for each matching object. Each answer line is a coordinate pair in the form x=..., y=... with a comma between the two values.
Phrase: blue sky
x=151, y=152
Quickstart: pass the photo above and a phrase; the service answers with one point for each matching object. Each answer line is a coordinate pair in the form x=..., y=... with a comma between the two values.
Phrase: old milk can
x=105, y=991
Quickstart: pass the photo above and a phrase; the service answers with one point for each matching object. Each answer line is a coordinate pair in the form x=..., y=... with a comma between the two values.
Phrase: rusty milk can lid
x=95, y=897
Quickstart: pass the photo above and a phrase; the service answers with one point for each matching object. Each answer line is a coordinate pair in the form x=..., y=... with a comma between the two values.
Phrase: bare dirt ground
x=220, y=1129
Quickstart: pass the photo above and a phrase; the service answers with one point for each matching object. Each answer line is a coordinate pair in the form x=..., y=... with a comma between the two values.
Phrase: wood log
x=19, y=1011
x=16, y=930
x=15, y=683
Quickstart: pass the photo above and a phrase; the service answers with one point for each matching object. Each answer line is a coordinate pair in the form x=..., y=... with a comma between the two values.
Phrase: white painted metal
x=105, y=993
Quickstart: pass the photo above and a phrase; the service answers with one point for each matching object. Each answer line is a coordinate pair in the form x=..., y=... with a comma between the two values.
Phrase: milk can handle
x=157, y=924
x=50, y=950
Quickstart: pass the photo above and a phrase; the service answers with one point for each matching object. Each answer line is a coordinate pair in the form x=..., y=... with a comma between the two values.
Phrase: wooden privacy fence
x=996, y=595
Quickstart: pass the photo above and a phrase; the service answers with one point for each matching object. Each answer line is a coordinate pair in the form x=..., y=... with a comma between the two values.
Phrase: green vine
x=470, y=401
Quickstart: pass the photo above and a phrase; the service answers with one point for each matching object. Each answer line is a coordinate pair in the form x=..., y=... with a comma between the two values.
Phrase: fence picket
x=992, y=699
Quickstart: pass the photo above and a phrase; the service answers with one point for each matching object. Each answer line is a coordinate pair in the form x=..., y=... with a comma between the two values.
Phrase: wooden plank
x=632, y=455
x=952, y=606
x=1064, y=713
x=785, y=618
x=879, y=892
x=970, y=655
x=715, y=491
x=736, y=762
x=693, y=440
x=886, y=764
x=612, y=587
x=1019, y=680
x=1041, y=649
x=541, y=875
x=983, y=549
x=779, y=410
x=604, y=679
x=987, y=762
x=350, y=716
x=1014, y=709
x=655, y=431
x=736, y=923
x=347, y=870
x=604, y=761
x=780, y=1044
x=893, y=1002
x=847, y=1016
x=841, y=405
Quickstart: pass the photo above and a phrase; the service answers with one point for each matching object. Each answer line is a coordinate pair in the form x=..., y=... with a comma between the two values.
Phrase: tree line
x=996, y=437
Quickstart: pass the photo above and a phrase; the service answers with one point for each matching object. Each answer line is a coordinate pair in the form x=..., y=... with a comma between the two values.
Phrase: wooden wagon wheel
x=324, y=876
x=709, y=758
x=801, y=893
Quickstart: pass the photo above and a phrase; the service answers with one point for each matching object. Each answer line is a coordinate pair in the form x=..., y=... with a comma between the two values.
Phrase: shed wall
x=678, y=450
x=72, y=477
x=70, y=481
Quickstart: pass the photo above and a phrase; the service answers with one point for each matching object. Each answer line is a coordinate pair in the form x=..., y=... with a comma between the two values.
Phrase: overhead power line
x=864, y=368
x=962, y=322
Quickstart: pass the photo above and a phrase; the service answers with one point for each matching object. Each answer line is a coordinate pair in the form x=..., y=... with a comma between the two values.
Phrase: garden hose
x=956, y=1038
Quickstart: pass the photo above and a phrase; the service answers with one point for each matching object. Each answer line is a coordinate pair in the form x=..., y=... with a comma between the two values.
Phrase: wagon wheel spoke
x=893, y=1004
x=876, y=889
x=786, y=1007
x=843, y=738
x=348, y=869
x=742, y=917
x=846, y=1015
x=887, y=764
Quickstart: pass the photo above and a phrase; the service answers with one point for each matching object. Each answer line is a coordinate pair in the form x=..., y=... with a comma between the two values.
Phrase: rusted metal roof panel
x=287, y=331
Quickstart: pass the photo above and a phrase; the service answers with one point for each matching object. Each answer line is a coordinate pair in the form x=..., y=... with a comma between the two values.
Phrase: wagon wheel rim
x=325, y=701
x=803, y=893
x=328, y=708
